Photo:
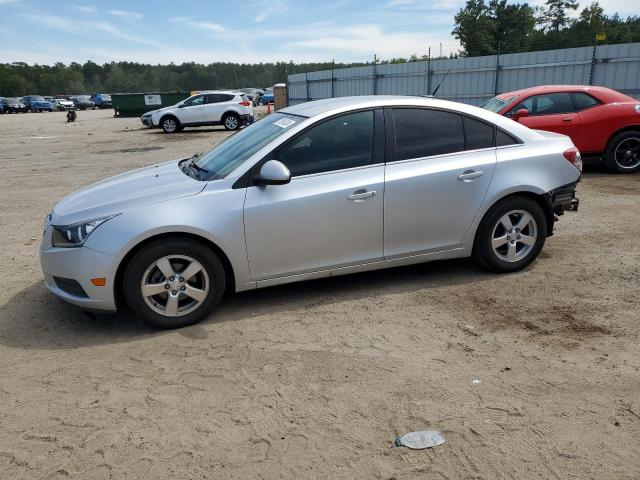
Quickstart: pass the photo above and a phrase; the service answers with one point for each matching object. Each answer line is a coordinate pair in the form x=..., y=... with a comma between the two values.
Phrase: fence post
x=333, y=66
x=594, y=60
x=429, y=72
x=306, y=82
x=496, y=86
x=374, y=75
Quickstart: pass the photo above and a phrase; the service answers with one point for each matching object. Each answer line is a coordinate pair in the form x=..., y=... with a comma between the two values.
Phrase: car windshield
x=105, y=96
x=37, y=98
x=269, y=91
x=226, y=156
x=497, y=103
x=83, y=97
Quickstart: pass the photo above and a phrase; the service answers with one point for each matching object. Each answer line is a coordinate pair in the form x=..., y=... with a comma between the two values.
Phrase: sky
x=251, y=31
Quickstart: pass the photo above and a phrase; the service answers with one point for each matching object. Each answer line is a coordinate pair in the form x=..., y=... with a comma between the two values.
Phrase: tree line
x=486, y=28
x=18, y=78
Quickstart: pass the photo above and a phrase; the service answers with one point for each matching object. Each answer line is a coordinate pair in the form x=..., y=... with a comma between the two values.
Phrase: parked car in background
x=2, y=105
x=37, y=103
x=61, y=103
x=600, y=121
x=252, y=93
x=268, y=96
x=14, y=105
x=82, y=102
x=315, y=190
x=101, y=100
x=231, y=109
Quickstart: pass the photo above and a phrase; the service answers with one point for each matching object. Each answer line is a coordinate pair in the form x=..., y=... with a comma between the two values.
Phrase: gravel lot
x=314, y=380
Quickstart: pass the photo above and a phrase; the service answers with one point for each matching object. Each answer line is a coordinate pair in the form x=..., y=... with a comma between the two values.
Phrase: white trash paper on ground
x=419, y=440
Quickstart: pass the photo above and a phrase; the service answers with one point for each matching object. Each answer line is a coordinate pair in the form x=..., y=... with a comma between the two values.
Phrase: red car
x=600, y=121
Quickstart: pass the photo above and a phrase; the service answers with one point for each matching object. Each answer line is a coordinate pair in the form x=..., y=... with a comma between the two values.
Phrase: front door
x=330, y=214
x=436, y=180
x=192, y=110
x=552, y=112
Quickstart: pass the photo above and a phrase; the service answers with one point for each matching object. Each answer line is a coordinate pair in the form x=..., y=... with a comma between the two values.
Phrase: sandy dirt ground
x=314, y=380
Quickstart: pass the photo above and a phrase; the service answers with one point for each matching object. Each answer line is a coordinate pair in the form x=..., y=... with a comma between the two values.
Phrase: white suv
x=231, y=109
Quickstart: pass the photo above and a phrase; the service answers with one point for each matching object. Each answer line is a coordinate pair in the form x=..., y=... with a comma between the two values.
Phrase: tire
x=180, y=255
x=509, y=254
x=231, y=121
x=170, y=124
x=623, y=152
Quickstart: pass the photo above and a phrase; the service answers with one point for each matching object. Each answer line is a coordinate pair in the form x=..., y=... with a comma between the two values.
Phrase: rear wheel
x=511, y=235
x=173, y=283
x=623, y=153
x=231, y=121
x=170, y=124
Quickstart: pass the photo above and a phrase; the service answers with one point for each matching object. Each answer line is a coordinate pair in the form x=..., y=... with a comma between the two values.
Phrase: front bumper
x=147, y=121
x=68, y=273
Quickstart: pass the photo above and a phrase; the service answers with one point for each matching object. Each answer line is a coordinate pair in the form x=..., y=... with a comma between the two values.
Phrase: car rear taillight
x=573, y=155
x=245, y=103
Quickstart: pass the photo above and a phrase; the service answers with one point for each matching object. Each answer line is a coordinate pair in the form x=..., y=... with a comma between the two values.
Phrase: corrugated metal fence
x=474, y=80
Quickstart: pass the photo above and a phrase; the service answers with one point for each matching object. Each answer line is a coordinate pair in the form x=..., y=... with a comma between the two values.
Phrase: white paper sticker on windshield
x=284, y=122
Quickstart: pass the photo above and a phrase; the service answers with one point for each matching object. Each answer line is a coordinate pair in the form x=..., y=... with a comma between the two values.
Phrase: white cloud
x=362, y=41
x=126, y=15
x=7, y=2
x=200, y=24
x=86, y=9
x=87, y=27
x=268, y=9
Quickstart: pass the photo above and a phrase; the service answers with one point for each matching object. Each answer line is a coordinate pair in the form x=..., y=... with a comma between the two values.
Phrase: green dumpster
x=135, y=104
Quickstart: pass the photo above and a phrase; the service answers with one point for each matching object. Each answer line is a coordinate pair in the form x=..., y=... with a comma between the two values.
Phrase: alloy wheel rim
x=627, y=153
x=231, y=122
x=514, y=236
x=175, y=285
x=169, y=125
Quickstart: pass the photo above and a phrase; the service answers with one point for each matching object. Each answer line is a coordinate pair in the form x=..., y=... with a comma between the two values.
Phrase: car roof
x=602, y=93
x=333, y=106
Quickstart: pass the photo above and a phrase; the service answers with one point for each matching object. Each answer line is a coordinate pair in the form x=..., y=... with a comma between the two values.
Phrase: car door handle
x=567, y=119
x=470, y=175
x=361, y=195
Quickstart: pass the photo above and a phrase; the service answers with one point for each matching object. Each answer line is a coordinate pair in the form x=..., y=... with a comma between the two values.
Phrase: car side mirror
x=273, y=172
x=521, y=113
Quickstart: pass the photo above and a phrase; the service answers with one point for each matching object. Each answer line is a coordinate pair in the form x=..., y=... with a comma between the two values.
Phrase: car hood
x=128, y=190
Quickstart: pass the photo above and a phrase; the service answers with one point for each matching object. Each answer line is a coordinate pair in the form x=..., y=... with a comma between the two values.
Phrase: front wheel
x=170, y=125
x=511, y=235
x=173, y=283
x=231, y=121
x=623, y=153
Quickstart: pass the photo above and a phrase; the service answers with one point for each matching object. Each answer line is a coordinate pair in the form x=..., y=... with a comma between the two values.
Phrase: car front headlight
x=75, y=235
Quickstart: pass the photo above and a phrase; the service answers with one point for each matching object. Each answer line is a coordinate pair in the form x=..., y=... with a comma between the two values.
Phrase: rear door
x=214, y=107
x=553, y=112
x=435, y=181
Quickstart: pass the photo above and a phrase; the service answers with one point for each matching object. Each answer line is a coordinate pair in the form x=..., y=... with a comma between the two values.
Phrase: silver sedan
x=318, y=189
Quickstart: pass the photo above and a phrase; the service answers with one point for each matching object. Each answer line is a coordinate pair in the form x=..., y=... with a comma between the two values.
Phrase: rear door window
x=423, y=133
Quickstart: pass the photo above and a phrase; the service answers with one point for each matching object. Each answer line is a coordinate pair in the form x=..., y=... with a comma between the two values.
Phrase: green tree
x=474, y=28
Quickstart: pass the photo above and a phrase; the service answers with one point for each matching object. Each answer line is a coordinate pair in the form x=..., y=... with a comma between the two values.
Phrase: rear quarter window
x=478, y=134
x=503, y=139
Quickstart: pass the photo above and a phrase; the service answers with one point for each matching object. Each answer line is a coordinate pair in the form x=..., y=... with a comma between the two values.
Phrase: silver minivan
x=317, y=189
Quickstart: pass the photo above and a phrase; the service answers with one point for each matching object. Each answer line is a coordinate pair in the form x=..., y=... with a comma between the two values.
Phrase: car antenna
x=438, y=86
